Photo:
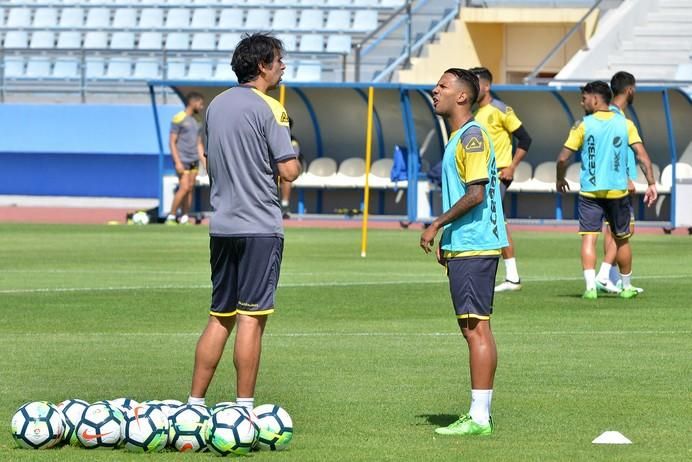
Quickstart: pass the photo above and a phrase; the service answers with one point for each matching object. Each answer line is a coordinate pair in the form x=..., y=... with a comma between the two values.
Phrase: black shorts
x=617, y=212
x=244, y=274
x=472, y=285
x=191, y=166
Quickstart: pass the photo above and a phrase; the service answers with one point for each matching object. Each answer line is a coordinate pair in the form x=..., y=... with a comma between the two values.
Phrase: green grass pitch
x=365, y=354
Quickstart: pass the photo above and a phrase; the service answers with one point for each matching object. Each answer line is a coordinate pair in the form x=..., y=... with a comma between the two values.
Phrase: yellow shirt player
x=502, y=124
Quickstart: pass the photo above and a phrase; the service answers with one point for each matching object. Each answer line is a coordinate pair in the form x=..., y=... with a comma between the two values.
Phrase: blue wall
x=81, y=150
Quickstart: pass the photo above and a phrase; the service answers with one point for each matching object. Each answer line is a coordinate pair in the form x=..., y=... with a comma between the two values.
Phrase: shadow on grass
x=439, y=420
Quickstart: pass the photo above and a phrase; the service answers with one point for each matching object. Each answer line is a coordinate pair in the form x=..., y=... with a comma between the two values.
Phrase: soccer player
x=185, y=142
x=502, y=124
x=246, y=134
x=623, y=86
x=603, y=137
x=472, y=237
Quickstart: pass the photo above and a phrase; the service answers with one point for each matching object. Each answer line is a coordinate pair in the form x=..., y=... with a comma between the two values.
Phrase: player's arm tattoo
x=474, y=196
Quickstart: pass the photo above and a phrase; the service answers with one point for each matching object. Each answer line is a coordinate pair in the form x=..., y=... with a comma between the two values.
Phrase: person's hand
x=562, y=185
x=507, y=173
x=630, y=187
x=179, y=168
x=650, y=195
x=440, y=257
x=427, y=239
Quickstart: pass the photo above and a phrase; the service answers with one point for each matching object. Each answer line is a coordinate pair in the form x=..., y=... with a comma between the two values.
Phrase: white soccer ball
x=140, y=218
x=218, y=406
x=145, y=429
x=72, y=412
x=124, y=404
x=187, y=428
x=168, y=406
x=37, y=425
x=100, y=427
x=275, y=427
x=230, y=431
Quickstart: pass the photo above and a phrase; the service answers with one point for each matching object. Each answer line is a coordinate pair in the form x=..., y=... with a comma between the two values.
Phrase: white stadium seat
x=231, y=18
x=203, y=41
x=38, y=67
x=147, y=68
x=682, y=170
x=123, y=41
x=178, y=18
x=365, y=20
x=175, y=69
x=95, y=67
x=543, y=178
x=125, y=18
x=178, y=41
x=203, y=19
x=95, y=40
x=45, y=17
x=14, y=67
x=42, y=39
x=309, y=71
x=339, y=44
x=98, y=18
x=257, y=20
x=320, y=173
x=284, y=20
x=72, y=17
x=522, y=177
x=573, y=176
x=289, y=41
x=151, y=18
x=18, y=18
x=200, y=70
x=223, y=71
x=66, y=68
x=312, y=43
x=150, y=41
x=119, y=68
x=228, y=41
x=16, y=39
x=69, y=40
x=339, y=20
x=311, y=20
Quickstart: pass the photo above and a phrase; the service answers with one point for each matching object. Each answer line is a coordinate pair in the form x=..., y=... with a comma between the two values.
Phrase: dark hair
x=469, y=78
x=193, y=96
x=598, y=87
x=482, y=73
x=251, y=51
x=620, y=81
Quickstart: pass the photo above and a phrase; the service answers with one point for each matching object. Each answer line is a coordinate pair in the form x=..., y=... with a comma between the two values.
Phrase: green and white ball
x=144, y=429
x=37, y=425
x=230, y=431
x=188, y=426
x=72, y=412
x=100, y=427
x=275, y=427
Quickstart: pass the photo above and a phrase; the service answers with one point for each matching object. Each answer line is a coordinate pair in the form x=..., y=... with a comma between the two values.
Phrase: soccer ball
x=37, y=425
x=124, y=404
x=187, y=428
x=218, y=406
x=145, y=429
x=168, y=406
x=275, y=427
x=72, y=411
x=140, y=218
x=100, y=427
x=230, y=431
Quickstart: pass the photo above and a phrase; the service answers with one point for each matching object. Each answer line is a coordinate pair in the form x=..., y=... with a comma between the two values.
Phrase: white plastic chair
x=309, y=71
x=147, y=68
x=69, y=40
x=257, y=19
x=95, y=40
x=66, y=68
x=544, y=178
x=18, y=18
x=289, y=41
x=123, y=41
x=98, y=18
x=203, y=41
x=203, y=19
x=71, y=17
x=178, y=41
x=312, y=43
x=119, y=68
x=310, y=20
x=125, y=18
x=285, y=19
x=231, y=19
x=42, y=39
x=151, y=18
x=46, y=17
x=365, y=20
x=339, y=20
x=16, y=39
x=178, y=18
x=38, y=67
x=150, y=41
x=339, y=44
x=228, y=41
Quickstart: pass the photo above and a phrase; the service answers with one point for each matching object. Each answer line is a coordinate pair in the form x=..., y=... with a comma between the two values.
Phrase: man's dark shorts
x=472, y=285
x=244, y=274
x=617, y=212
x=191, y=166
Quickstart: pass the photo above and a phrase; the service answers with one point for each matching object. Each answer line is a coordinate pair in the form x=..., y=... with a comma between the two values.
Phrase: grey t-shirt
x=188, y=131
x=246, y=133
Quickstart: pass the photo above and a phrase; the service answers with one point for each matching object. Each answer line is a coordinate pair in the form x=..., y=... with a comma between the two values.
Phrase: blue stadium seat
x=18, y=18
x=66, y=68
x=257, y=19
x=223, y=72
x=125, y=18
x=98, y=18
x=339, y=44
x=72, y=17
x=150, y=41
x=151, y=18
x=284, y=20
x=177, y=41
x=312, y=43
x=16, y=39
x=203, y=41
x=339, y=20
x=231, y=18
x=289, y=41
x=13, y=67
x=200, y=69
x=95, y=40
x=95, y=67
x=38, y=67
x=123, y=41
x=147, y=68
x=310, y=20
x=178, y=18
x=119, y=68
x=45, y=17
x=309, y=71
x=42, y=39
x=228, y=41
x=69, y=39
x=203, y=19
x=175, y=69
x=365, y=20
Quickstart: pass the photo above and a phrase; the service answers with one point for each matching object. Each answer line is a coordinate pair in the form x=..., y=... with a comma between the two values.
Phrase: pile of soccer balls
x=152, y=426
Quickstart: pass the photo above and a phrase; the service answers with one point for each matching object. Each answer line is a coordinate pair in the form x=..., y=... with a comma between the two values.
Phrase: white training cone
x=611, y=438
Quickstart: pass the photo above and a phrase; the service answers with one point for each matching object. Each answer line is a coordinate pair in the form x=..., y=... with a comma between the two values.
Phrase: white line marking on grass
x=295, y=284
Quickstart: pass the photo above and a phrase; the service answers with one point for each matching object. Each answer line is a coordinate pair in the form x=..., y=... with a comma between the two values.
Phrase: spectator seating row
x=138, y=69
x=199, y=41
x=226, y=19
x=384, y=4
